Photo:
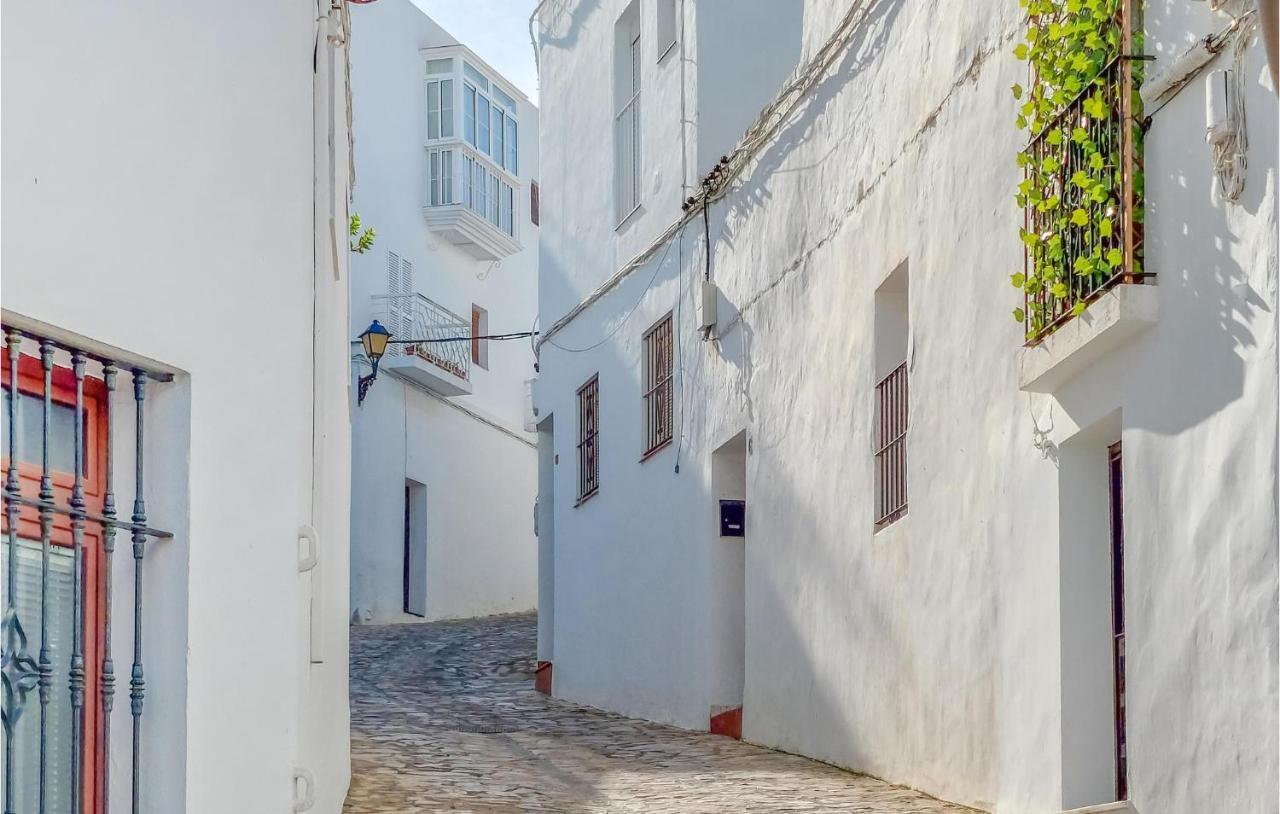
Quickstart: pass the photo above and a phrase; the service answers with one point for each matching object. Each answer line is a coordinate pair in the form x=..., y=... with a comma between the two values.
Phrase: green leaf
x=1020, y=50
x=1017, y=91
x=1104, y=227
x=1077, y=309
x=1079, y=217
x=1019, y=315
x=1059, y=290
x=1115, y=257
x=1083, y=266
x=1018, y=279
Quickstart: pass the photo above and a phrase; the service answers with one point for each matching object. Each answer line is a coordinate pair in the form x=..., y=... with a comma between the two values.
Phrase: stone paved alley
x=444, y=718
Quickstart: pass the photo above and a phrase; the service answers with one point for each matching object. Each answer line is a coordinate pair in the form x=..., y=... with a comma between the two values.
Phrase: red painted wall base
x=728, y=723
x=542, y=678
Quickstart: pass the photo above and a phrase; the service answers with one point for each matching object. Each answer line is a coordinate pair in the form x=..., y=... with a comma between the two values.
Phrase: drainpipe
x=1270, y=21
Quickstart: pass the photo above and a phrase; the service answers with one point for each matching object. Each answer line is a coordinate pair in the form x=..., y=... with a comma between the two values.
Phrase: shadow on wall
x=810, y=701
x=561, y=26
x=867, y=44
x=1207, y=299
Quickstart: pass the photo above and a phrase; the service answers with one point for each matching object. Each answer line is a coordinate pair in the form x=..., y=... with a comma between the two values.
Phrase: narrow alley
x=445, y=718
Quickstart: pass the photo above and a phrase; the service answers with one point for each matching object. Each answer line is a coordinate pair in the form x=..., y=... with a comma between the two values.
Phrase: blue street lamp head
x=375, y=339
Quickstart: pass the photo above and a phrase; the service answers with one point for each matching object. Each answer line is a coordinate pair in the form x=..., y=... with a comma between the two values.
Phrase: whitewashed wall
x=930, y=654
x=479, y=469
x=153, y=205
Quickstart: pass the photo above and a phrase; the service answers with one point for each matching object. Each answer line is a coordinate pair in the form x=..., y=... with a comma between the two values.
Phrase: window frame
x=63, y=392
x=479, y=327
x=663, y=8
x=658, y=384
x=588, y=397
x=628, y=171
x=892, y=423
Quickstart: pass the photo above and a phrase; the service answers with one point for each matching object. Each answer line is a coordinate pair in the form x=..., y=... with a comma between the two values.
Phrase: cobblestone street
x=445, y=718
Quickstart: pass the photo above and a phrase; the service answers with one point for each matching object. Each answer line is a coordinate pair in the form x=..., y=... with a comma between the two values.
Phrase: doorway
x=544, y=528
x=1115, y=474
x=728, y=586
x=1092, y=607
x=415, y=548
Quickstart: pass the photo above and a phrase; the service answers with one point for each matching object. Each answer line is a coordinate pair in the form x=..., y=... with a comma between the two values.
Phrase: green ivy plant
x=361, y=241
x=1073, y=164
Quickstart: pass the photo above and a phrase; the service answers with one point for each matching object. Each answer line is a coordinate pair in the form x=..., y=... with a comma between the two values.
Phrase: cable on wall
x=657, y=269
x=1230, y=153
x=717, y=183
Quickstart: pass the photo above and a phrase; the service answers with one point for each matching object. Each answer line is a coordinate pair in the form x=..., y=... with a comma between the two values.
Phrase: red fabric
x=542, y=678
x=728, y=723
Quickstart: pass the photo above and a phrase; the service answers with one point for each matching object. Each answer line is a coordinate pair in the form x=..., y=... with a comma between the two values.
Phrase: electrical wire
x=1230, y=155
x=495, y=337
x=657, y=269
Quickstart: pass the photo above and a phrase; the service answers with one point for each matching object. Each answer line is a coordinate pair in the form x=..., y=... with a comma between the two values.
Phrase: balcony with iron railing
x=1084, y=283
x=431, y=345
x=470, y=201
x=1081, y=230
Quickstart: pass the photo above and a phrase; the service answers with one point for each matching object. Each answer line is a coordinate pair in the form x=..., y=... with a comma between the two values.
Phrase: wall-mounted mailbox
x=733, y=514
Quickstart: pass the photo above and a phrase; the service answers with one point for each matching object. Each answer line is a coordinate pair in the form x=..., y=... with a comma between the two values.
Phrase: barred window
x=61, y=520
x=891, y=447
x=657, y=386
x=589, y=439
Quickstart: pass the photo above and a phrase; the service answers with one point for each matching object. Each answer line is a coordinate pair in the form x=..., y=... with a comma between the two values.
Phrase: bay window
x=481, y=157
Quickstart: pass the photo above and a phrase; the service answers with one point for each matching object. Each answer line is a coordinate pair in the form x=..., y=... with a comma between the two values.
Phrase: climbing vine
x=1074, y=164
x=361, y=241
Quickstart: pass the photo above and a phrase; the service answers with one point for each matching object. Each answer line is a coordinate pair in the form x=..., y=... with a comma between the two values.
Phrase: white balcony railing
x=470, y=201
x=445, y=336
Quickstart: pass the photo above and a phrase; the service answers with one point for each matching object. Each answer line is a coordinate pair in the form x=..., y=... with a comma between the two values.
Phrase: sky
x=497, y=30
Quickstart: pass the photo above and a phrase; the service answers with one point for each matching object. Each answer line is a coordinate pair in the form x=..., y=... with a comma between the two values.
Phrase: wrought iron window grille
x=657, y=386
x=589, y=439
x=70, y=515
x=891, y=447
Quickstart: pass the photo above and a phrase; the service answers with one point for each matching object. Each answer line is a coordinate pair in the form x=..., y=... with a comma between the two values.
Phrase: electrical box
x=708, y=304
x=733, y=516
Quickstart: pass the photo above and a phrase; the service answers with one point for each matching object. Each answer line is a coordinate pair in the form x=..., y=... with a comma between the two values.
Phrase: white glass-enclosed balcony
x=473, y=155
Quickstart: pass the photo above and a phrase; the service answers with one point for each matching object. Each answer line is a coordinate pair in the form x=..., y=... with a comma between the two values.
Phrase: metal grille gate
x=56, y=754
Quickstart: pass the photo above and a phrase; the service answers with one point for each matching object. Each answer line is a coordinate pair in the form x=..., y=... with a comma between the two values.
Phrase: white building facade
x=175, y=276
x=445, y=469
x=1040, y=578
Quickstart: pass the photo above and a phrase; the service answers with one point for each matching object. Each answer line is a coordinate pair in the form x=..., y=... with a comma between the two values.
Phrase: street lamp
x=374, y=339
